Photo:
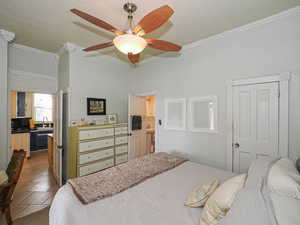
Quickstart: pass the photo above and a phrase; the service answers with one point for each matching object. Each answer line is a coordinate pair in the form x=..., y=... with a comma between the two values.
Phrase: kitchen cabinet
x=39, y=139
x=50, y=151
x=21, y=104
x=13, y=104
x=21, y=141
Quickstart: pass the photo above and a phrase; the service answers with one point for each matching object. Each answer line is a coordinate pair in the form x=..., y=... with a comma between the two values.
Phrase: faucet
x=45, y=118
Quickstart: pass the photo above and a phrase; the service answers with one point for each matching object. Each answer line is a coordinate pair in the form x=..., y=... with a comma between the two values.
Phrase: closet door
x=255, y=116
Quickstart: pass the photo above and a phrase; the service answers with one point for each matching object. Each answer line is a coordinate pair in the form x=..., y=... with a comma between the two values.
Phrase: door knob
x=236, y=145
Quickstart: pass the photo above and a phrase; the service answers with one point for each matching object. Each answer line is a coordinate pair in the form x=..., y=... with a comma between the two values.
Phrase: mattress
x=158, y=200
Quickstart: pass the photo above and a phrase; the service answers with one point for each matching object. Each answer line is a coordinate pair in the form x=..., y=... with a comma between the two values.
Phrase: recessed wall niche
x=202, y=113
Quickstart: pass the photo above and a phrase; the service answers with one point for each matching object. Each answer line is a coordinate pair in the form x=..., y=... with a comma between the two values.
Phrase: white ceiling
x=48, y=24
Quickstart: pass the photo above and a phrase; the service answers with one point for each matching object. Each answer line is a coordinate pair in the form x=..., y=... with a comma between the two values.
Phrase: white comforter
x=156, y=201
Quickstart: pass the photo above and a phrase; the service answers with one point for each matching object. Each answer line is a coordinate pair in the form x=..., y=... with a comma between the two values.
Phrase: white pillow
x=3, y=177
x=199, y=196
x=286, y=209
x=284, y=179
x=219, y=203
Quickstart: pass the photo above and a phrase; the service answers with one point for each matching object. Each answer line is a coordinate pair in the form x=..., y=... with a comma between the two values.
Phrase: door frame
x=283, y=137
x=144, y=94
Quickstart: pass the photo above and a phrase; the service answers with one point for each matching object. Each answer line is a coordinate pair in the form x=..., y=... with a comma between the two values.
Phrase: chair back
x=13, y=172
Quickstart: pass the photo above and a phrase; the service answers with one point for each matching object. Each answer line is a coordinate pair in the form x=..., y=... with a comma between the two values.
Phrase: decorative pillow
x=3, y=177
x=219, y=203
x=284, y=179
x=199, y=196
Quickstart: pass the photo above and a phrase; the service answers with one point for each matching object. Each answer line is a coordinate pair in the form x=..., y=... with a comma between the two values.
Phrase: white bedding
x=156, y=201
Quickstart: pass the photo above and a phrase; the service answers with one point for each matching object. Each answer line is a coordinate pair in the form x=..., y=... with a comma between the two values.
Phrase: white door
x=57, y=145
x=137, y=138
x=255, y=128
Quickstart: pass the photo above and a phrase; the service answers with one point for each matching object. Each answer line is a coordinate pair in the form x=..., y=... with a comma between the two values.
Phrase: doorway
x=142, y=125
x=32, y=125
x=258, y=120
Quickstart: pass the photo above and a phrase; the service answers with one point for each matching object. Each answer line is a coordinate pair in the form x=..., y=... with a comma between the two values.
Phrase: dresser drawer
x=121, y=149
x=90, y=134
x=121, y=130
x=92, y=145
x=94, y=167
x=124, y=130
x=121, y=159
x=121, y=140
x=96, y=156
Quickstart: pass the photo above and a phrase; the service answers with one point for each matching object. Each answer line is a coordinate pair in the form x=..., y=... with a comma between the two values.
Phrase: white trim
x=7, y=35
x=30, y=74
x=253, y=25
x=69, y=47
x=152, y=93
x=35, y=50
x=283, y=80
x=175, y=100
x=262, y=79
x=191, y=100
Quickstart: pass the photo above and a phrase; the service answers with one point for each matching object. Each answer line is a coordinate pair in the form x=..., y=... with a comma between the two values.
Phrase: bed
x=158, y=200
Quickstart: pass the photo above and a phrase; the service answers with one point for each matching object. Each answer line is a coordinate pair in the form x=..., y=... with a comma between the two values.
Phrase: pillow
x=3, y=177
x=199, y=196
x=219, y=203
x=284, y=179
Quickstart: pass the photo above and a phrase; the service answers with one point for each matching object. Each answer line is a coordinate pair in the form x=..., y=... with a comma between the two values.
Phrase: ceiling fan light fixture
x=130, y=43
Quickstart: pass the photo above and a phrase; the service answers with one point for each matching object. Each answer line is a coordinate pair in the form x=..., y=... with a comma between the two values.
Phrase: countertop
x=41, y=129
x=31, y=131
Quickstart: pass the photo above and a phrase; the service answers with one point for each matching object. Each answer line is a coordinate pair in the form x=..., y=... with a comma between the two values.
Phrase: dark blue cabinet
x=21, y=104
x=39, y=139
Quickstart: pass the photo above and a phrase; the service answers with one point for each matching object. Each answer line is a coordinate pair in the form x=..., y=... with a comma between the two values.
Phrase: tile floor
x=36, y=187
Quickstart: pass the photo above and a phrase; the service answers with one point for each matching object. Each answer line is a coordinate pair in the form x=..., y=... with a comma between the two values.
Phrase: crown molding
x=69, y=47
x=6, y=35
x=253, y=25
x=196, y=44
x=30, y=74
x=35, y=50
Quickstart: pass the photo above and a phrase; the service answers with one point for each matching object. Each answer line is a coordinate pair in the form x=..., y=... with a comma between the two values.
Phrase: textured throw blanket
x=117, y=179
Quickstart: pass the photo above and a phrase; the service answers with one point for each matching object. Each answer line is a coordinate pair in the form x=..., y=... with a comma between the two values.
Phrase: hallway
x=36, y=187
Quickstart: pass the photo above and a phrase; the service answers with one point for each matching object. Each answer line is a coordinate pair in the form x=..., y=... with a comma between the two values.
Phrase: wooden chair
x=6, y=190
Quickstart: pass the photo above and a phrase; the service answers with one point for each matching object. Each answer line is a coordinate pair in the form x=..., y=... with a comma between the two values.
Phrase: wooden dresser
x=96, y=147
x=21, y=141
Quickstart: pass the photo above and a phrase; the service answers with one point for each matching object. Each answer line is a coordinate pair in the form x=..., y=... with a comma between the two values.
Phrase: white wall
x=63, y=79
x=96, y=76
x=5, y=37
x=32, y=69
x=266, y=48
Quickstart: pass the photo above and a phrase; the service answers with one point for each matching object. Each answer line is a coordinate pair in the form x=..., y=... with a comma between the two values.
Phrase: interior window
x=43, y=107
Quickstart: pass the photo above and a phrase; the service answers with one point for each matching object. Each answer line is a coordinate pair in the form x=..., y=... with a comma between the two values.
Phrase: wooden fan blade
x=100, y=46
x=163, y=45
x=153, y=20
x=96, y=21
x=134, y=58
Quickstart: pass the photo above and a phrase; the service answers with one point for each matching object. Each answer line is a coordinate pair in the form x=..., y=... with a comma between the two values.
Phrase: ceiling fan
x=131, y=42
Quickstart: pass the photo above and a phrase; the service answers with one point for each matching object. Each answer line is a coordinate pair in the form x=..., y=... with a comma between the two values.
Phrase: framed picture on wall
x=96, y=106
x=175, y=114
